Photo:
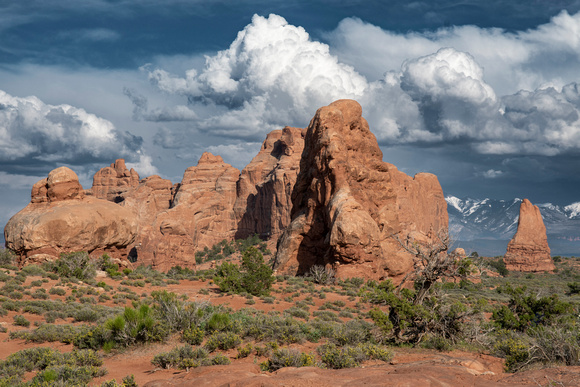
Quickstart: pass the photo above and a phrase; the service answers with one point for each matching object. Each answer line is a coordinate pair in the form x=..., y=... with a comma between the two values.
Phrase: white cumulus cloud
x=271, y=75
x=31, y=129
x=434, y=89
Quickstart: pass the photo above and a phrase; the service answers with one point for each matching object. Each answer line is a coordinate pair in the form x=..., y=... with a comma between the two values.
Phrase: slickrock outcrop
x=528, y=250
x=113, y=183
x=347, y=202
x=323, y=193
x=59, y=218
x=201, y=214
x=265, y=186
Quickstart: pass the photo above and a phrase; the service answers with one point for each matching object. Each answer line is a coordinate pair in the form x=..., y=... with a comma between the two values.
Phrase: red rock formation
x=60, y=219
x=201, y=214
x=112, y=183
x=265, y=186
x=528, y=250
x=347, y=202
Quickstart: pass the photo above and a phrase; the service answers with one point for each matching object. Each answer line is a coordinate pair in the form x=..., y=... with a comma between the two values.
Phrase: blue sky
x=484, y=94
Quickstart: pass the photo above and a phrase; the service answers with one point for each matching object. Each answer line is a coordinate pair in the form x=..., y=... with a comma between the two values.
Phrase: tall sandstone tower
x=528, y=250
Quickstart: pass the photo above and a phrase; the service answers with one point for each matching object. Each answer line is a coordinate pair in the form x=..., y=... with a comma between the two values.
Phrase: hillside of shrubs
x=530, y=320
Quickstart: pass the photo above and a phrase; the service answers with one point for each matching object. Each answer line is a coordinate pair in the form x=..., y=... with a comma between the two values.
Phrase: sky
x=485, y=94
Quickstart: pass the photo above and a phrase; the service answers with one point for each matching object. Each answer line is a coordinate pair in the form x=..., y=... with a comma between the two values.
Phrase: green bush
x=408, y=322
x=7, y=257
x=193, y=335
x=187, y=357
x=54, y=368
x=499, y=266
x=57, y=291
x=245, y=351
x=254, y=276
x=526, y=310
x=351, y=356
x=223, y=341
x=75, y=265
x=288, y=358
x=179, y=315
x=50, y=333
x=21, y=321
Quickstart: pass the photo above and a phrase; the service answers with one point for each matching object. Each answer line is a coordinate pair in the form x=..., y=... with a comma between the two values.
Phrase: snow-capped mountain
x=482, y=219
x=497, y=220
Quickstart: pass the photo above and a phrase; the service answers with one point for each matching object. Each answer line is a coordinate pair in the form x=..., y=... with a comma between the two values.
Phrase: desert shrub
x=253, y=276
x=178, y=314
x=498, y=265
x=408, y=321
x=573, y=288
x=21, y=321
x=353, y=332
x=86, y=314
x=128, y=381
x=50, y=333
x=54, y=368
x=11, y=305
x=283, y=330
x=184, y=357
x=245, y=351
x=39, y=294
x=36, y=283
x=57, y=291
x=7, y=257
x=288, y=358
x=193, y=335
x=322, y=275
x=136, y=325
x=220, y=322
x=526, y=310
x=223, y=341
x=298, y=312
x=325, y=315
x=75, y=265
x=33, y=270
x=437, y=342
x=351, y=356
x=177, y=272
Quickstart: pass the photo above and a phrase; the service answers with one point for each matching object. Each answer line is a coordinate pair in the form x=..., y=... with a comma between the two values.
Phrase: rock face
x=347, y=202
x=323, y=193
x=113, y=183
x=199, y=214
x=528, y=250
x=60, y=218
x=265, y=185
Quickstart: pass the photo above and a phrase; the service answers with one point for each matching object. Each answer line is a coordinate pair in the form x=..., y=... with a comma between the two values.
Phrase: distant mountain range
x=487, y=225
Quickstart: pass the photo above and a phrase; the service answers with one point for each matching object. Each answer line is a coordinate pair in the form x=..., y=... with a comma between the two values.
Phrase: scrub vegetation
x=316, y=320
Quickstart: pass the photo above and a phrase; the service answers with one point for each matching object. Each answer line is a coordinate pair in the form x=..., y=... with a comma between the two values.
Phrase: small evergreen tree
x=253, y=276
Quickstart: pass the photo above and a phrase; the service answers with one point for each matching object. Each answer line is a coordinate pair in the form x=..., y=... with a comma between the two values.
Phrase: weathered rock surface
x=528, y=250
x=265, y=186
x=113, y=183
x=200, y=214
x=347, y=202
x=60, y=218
x=326, y=185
